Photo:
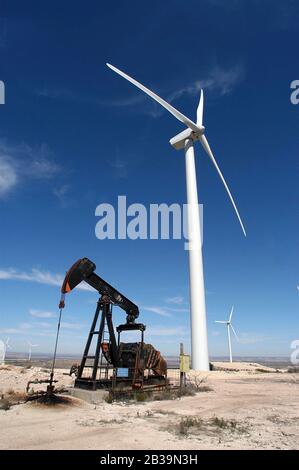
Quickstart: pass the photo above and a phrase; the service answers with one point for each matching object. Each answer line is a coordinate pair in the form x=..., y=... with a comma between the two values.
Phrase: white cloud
x=20, y=163
x=9, y=331
x=164, y=331
x=158, y=310
x=8, y=176
x=215, y=333
x=42, y=324
x=253, y=338
x=71, y=326
x=175, y=300
x=41, y=313
x=25, y=326
x=165, y=311
x=219, y=80
x=62, y=194
x=30, y=329
x=38, y=276
x=120, y=167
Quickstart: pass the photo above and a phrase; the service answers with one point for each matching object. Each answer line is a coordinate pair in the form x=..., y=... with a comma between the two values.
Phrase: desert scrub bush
x=141, y=396
x=164, y=412
x=14, y=398
x=166, y=394
x=187, y=423
x=223, y=423
x=109, y=399
x=4, y=404
x=230, y=425
x=190, y=425
x=264, y=371
x=199, y=384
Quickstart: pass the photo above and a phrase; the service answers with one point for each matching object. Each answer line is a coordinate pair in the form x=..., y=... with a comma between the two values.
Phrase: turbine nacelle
x=179, y=140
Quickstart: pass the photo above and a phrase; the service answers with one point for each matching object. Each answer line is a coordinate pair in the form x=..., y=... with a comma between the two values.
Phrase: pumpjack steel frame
x=106, y=356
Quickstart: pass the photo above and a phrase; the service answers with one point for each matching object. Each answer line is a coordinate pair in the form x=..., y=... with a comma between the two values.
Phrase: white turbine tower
x=4, y=346
x=229, y=325
x=30, y=349
x=185, y=140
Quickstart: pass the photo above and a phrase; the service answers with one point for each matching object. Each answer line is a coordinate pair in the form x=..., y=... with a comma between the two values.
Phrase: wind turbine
x=185, y=140
x=229, y=325
x=30, y=349
x=2, y=352
x=4, y=346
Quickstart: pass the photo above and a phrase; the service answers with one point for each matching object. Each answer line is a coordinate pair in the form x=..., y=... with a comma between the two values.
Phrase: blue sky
x=74, y=135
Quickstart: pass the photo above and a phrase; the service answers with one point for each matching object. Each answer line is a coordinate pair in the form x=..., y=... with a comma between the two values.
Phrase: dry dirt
x=248, y=407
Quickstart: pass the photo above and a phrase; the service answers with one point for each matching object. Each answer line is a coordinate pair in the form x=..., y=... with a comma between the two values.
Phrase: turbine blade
x=233, y=330
x=231, y=314
x=181, y=117
x=199, y=117
x=207, y=148
x=220, y=321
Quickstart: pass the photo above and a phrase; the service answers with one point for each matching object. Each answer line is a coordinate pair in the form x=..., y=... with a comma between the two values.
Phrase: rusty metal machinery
x=111, y=363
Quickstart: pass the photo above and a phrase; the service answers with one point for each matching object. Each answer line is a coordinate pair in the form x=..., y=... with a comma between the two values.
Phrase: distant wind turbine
x=185, y=140
x=229, y=325
x=4, y=346
x=30, y=349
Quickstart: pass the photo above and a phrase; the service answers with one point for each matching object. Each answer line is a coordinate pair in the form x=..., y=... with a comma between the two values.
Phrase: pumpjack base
x=90, y=396
x=121, y=383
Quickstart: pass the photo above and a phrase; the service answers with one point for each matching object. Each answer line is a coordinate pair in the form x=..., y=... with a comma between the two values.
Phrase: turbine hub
x=178, y=141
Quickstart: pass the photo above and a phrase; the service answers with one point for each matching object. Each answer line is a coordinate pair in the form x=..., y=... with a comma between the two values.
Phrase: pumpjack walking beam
x=83, y=270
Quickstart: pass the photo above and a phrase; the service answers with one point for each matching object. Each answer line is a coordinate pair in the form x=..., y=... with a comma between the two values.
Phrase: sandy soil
x=248, y=407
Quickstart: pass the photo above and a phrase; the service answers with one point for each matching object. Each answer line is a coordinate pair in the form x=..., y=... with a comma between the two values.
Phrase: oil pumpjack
x=109, y=363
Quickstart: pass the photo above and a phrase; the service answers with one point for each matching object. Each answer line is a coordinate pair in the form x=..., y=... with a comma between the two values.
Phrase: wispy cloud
x=175, y=300
x=215, y=333
x=165, y=311
x=77, y=97
x=71, y=326
x=38, y=276
x=253, y=338
x=20, y=163
x=41, y=313
x=8, y=175
x=178, y=331
x=158, y=310
x=9, y=331
x=219, y=80
x=62, y=194
x=57, y=93
x=120, y=167
x=30, y=329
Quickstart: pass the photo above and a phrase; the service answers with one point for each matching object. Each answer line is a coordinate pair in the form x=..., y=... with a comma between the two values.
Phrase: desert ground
x=238, y=406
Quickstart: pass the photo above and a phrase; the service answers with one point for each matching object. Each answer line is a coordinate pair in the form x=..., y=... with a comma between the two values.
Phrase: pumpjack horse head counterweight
x=133, y=359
